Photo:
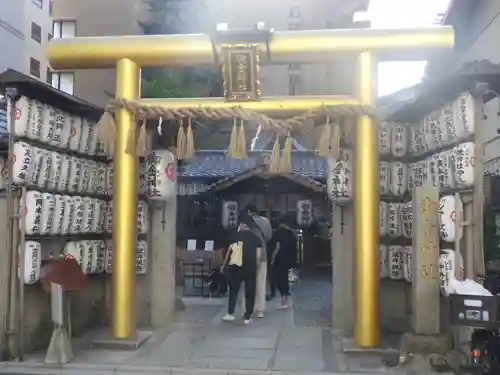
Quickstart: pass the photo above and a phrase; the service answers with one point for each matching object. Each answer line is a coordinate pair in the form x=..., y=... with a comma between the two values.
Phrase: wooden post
x=425, y=286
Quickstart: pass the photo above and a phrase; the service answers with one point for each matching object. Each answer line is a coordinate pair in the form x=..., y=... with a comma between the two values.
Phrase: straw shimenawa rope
x=286, y=158
x=107, y=123
x=181, y=142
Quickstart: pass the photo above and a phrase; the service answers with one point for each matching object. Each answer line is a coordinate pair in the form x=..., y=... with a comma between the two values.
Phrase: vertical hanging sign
x=241, y=73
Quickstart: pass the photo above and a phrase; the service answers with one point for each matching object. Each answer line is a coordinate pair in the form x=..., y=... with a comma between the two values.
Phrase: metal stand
x=59, y=351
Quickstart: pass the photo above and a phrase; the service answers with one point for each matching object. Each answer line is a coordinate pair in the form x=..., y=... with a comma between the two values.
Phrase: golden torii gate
x=127, y=54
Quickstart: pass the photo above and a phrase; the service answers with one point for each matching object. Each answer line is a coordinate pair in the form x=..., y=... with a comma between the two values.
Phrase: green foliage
x=490, y=236
x=164, y=17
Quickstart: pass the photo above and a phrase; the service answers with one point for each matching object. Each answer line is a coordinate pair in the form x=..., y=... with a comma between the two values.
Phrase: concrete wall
x=11, y=34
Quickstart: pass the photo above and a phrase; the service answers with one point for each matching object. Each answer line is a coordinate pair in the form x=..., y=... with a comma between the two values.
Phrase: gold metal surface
x=285, y=47
x=366, y=214
x=278, y=106
x=124, y=207
x=241, y=73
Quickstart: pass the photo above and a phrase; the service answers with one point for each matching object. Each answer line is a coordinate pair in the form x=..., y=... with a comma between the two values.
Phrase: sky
x=386, y=14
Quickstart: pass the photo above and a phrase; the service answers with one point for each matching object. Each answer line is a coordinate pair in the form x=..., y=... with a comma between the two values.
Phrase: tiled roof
x=216, y=164
x=261, y=171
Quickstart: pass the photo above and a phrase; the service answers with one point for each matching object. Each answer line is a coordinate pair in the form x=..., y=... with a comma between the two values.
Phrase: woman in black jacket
x=283, y=257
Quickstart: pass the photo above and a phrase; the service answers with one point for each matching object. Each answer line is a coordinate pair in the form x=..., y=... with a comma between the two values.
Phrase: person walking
x=240, y=266
x=261, y=227
x=283, y=257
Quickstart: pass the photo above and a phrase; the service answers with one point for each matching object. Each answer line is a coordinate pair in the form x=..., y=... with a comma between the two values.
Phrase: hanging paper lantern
x=78, y=216
x=407, y=219
x=99, y=205
x=75, y=175
x=48, y=207
x=141, y=262
x=55, y=170
x=63, y=182
x=102, y=217
x=88, y=214
x=36, y=121
x=49, y=125
x=93, y=139
x=394, y=214
x=85, y=176
x=69, y=212
x=450, y=210
x=395, y=262
x=446, y=169
x=21, y=157
x=109, y=179
x=399, y=140
x=22, y=119
x=339, y=177
x=4, y=173
x=109, y=218
x=45, y=169
x=33, y=212
x=108, y=264
x=384, y=181
x=384, y=138
x=433, y=168
x=431, y=131
x=87, y=257
x=398, y=178
x=101, y=178
x=229, y=214
x=384, y=262
x=465, y=161
x=464, y=115
x=84, y=147
x=101, y=256
x=304, y=212
x=384, y=218
x=32, y=262
x=161, y=175
x=75, y=133
x=143, y=180
x=142, y=217
x=60, y=123
x=408, y=263
x=447, y=122
x=447, y=269
x=59, y=209
x=35, y=168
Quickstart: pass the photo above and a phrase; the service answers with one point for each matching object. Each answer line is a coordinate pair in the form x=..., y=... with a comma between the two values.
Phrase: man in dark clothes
x=243, y=255
x=283, y=257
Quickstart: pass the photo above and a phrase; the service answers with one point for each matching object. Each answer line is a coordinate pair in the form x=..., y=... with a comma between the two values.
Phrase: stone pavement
x=297, y=340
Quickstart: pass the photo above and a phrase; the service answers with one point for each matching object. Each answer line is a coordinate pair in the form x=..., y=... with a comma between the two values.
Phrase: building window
x=38, y=3
x=63, y=81
x=49, y=76
x=294, y=12
x=36, y=32
x=64, y=29
x=35, y=67
x=293, y=85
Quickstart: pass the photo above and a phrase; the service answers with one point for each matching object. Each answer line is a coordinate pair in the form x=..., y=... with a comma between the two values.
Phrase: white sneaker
x=228, y=318
x=247, y=321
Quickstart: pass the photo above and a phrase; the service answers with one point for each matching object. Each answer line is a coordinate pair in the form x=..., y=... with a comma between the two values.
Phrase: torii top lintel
x=285, y=47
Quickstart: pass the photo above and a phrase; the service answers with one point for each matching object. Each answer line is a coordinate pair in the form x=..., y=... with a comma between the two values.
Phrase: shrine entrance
x=240, y=53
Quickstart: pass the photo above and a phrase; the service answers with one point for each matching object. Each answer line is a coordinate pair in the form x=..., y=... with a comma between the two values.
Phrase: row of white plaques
x=396, y=219
x=64, y=173
x=448, y=125
x=93, y=257
x=446, y=170
x=396, y=263
x=53, y=214
x=44, y=123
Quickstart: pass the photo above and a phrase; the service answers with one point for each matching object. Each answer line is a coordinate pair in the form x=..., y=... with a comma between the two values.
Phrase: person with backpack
x=240, y=266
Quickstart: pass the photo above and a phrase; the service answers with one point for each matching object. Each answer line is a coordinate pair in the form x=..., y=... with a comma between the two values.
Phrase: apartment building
x=25, y=29
x=120, y=17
